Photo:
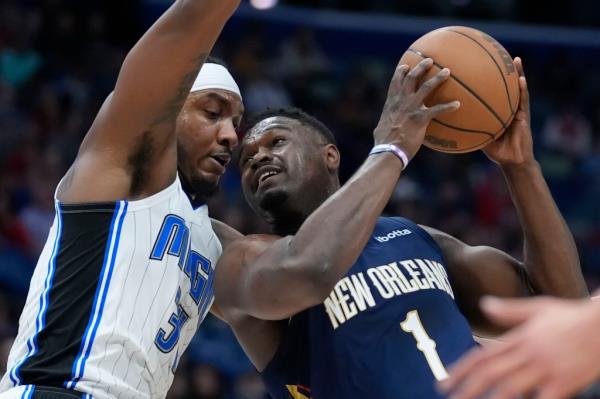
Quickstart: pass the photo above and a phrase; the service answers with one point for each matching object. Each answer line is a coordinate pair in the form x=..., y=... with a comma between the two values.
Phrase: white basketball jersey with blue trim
x=117, y=295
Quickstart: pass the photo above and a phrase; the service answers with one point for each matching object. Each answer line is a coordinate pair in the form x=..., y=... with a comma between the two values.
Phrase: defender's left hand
x=552, y=352
x=515, y=146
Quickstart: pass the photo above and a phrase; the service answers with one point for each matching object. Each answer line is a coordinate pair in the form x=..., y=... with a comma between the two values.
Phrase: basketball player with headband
x=126, y=274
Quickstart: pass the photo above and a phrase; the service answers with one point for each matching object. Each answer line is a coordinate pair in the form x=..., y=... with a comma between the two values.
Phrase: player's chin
x=205, y=183
x=271, y=198
x=211, y=170
x=211, y=181
x=211, y=173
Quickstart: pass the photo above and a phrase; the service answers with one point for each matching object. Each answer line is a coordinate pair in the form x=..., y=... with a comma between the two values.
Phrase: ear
x=332, y=157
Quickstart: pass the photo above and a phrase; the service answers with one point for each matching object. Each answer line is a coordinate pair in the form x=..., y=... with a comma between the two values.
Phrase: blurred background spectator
x=334, y=58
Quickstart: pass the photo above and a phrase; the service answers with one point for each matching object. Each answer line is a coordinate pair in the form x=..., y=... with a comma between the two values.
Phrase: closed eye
x=214, y=115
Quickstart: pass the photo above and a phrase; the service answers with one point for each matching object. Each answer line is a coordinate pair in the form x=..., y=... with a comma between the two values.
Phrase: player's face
x=206, y=133
x=279, y=160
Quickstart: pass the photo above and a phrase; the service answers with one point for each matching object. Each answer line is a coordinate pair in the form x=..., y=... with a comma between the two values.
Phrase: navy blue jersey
x=387, y=331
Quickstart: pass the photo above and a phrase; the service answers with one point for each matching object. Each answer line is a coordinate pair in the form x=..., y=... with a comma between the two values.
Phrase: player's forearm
x=332, y=238
x=158, y=72
x=164, y=63
x=550, y=253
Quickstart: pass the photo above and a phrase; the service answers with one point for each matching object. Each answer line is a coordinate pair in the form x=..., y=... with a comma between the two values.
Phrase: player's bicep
x=265, y=285
x=139, y=117
x=105, y=173
x=156, y=76
x=490, y=270
x=478, y=271
x=485, y=271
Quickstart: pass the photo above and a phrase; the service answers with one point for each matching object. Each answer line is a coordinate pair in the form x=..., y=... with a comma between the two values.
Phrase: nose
x=261, y=157
x=227, y=135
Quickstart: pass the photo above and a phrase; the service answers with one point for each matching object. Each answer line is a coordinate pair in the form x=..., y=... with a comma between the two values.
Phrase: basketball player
x=553, y=351
x=342, y=303
x=126, y=275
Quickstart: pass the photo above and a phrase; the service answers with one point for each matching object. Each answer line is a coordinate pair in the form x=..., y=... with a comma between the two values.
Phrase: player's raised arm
x=551, y=263
x=130, y=150
x=273, y=280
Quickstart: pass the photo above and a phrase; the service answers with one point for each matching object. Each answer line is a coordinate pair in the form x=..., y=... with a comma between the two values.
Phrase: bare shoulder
x=226, y=234
x=445, y=241
x=438, y=235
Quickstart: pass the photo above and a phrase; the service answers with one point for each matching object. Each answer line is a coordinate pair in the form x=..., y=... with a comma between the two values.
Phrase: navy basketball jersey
x=387, y=331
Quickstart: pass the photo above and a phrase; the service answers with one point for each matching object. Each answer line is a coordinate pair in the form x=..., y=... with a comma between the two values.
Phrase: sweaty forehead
x=272, y=124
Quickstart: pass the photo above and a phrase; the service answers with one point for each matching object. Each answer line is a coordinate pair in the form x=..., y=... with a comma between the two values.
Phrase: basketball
x=484, y=80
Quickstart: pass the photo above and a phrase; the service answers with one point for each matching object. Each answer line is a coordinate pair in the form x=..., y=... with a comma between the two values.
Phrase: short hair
x=292, y=113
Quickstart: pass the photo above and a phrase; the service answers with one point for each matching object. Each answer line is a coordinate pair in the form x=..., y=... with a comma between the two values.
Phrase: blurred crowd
x=556, y=12
x=58, y=61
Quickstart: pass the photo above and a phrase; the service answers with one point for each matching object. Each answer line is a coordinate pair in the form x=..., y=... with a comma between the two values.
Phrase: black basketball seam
x=493, y=137
x=420, y=54
x=473, y=131
x=493, y=59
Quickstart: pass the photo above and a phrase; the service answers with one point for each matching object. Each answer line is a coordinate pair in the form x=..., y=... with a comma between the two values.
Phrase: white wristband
x=393, y=149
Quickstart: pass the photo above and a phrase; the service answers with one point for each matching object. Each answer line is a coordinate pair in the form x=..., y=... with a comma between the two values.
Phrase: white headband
x=215, y=76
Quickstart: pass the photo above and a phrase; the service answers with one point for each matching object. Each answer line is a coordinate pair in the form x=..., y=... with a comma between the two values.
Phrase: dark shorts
x=54, y=393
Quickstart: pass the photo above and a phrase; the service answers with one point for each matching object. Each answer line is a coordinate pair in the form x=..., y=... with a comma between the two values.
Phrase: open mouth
x=264, y=176
x=265, y=173
x=222, y=158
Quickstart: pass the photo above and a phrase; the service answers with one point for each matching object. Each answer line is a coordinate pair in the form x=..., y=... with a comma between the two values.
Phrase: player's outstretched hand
x=515, y=146
x=405, y=117
x=552, y=352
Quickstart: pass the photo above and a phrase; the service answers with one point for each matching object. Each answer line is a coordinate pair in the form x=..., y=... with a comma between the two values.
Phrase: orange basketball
x=484, y=80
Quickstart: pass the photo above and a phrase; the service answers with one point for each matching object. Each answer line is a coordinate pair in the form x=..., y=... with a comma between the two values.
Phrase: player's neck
x=288, y=220
x=196, y=197
x=288, y=224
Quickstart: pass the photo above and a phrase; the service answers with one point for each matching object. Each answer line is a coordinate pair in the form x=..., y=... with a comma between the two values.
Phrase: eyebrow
x=243, y=147
x=223, y=100
x=270, y=128
x=217, y=96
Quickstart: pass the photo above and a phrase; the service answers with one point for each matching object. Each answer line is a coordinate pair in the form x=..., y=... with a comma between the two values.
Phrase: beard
x=198, y=189
x=273, y=200
x=203, y=188
x=277, y=210
x=194, y=185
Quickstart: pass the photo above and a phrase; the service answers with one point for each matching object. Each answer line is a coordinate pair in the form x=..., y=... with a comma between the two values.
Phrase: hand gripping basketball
x=405, y=117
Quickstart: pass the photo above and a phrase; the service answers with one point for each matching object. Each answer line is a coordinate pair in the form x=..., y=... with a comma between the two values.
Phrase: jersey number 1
x=412, y=325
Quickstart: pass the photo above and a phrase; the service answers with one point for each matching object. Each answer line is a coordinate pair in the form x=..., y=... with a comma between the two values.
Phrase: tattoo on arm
x=174, y=105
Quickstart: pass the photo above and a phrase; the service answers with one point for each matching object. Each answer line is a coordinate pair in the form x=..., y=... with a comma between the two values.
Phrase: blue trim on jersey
x=28, y=392
x=100, y=296
x=40, y=320
x=208, y=292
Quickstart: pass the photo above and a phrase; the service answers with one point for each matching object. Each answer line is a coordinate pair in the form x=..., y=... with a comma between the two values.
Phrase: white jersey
x=117, y=294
